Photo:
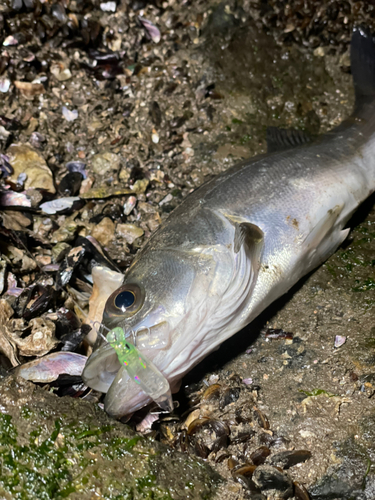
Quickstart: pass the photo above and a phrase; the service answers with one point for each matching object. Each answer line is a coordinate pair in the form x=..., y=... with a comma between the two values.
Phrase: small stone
x=25, y=159
x=4, y=85
x=105, y=162
x=108, y=6
x=247, y=381
x=65, y=233
x=104, y=231
x=130, y=232
x=60, y=72
x=166, y=200
x=319, y=52
x=275, y=483
x=140, y=186
x=124, y=175
x=9, y=41
x=70, y=116
x=29, y=89
x=129, y=205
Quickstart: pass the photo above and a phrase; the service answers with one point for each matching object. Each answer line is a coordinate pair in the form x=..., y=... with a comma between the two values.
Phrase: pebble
x=4, y=85
x=104, y=163
x=25, y=159
x=167, y=199
x=70, y=116
x=130, y=232
x=129, y=205
x=104, y=231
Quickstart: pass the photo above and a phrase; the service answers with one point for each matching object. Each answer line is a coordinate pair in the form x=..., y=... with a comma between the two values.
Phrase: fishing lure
x=141, y=369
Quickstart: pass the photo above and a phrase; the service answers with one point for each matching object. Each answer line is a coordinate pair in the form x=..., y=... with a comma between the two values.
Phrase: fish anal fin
x=325, y=237
x=279, y=139
x=323, y=227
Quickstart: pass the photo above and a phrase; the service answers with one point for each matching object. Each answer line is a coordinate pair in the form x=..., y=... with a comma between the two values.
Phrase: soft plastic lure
x=141, y=369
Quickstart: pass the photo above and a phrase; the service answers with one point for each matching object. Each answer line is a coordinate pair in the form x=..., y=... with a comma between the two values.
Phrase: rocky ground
x=111, y=113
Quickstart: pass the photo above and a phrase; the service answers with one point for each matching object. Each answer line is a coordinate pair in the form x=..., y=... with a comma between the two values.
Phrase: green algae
x=55, y=448
x=317, y=392
x=44, y=469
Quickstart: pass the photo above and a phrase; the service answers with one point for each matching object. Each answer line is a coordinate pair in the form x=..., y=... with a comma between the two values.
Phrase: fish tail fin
x=362, y=61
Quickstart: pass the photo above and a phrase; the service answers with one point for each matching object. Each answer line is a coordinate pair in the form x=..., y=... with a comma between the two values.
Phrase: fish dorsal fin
x=279, y=139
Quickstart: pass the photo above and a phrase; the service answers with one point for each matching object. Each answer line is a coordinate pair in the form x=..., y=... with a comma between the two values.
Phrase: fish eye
x=124, y=300
x=127, y=300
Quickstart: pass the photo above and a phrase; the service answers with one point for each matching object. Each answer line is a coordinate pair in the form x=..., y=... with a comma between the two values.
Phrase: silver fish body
x=238, y=243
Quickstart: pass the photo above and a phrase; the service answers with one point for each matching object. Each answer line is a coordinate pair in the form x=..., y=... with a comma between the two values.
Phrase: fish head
x=164, y=306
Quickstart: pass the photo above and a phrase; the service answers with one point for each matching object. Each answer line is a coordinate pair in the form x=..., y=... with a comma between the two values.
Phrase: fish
x=238, y=243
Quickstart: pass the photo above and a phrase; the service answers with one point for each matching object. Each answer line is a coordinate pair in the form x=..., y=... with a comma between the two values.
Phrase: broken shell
x=220, y=442
x=59, y=205
x=197, y=424
x=48, y=368
x=300, y=492
x=5, y=84
x=70, y=116
x=287, y=459
x=13, y=199
x=130, y=232
x=258, y=457
x=339, y=340
x=151, y=29
x=242, y=437
x=261, y=419
x=70, y=184
x=201, y=449
x=232, y=463
x=106, y=281
x=40, y=341
x=72, y=340
x=229, y=396
x=212, y=392
x=244, y=470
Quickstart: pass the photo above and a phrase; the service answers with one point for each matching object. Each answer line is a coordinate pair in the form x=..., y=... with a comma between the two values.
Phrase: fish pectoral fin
x=249, y=235
x=325, y=237
x=279, y=139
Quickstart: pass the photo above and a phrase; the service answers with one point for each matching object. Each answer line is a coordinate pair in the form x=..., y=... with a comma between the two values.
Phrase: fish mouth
x=105, y=373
